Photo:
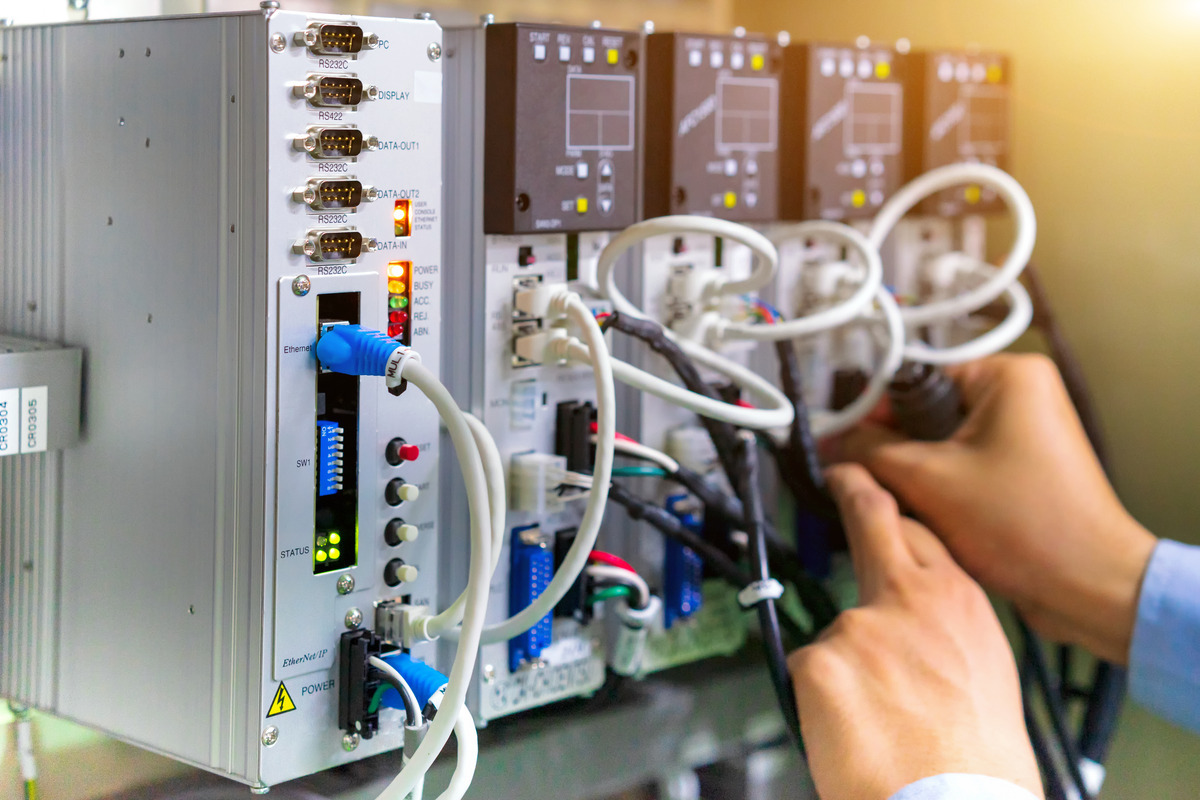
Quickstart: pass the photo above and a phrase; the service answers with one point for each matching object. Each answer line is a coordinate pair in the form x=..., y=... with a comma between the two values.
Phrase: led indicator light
x=322, y=541
x=396, y=269
x=612, y=56
x=395, y=331
x=858, y=198
x=397, y=302
x=335, y=538
x=882, y=70
x=757, y=62
x=581, y=205
x=994, y=73
x=334, y=553
x=402, y=217
x=396, y=287
x=973, y=194
x=320, y=556
x=399, y=317
x=730, y=199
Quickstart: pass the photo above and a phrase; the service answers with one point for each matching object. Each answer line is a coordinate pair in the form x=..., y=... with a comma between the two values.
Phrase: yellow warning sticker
x=282, y=702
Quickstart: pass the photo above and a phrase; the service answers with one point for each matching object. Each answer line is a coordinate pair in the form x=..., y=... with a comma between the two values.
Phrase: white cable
x=645, y=453
x=1017, y=321
x=478, y=583
x=493, y=468
x=943, y=178
x=825, y=319
x=776, y=415
x=576, y=557
x=766, y=258
x=399, y=684
x=468, y=756
x=827, y=423
x=606, y=572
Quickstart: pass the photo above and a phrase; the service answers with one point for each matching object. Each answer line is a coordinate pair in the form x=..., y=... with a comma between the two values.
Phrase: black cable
x=1035, y=658
x=411, y=712
x=768, y=614
x=670, y=526
x=798, y=461
x=1052, y=776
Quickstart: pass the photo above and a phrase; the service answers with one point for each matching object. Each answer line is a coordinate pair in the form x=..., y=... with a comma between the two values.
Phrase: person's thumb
x=901, y=464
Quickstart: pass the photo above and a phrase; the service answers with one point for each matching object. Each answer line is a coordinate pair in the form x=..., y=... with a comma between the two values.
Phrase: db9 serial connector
x=335, y=91
x=320, y=142
x=342, y=244
x=336, y=39
x=334, y=194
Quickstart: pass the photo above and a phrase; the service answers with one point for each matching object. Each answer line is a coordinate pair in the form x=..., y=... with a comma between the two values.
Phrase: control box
x=561, y=122
x=843, y=110
x=190, y=201
x=541, y=166
x=959, y=105
x=712, y=126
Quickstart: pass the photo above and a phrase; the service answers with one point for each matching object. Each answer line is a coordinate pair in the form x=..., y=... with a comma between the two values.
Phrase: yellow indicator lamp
x=973, y=194
x=730, y=199
x=883, y=70
x=320, y=556
x=612, y=56
x=402, y=217
x=858, y=198
x=334, y=553
x=757, y=62
x=335, y=538
x=995, y=73
x=396, y=287
x=581, y=205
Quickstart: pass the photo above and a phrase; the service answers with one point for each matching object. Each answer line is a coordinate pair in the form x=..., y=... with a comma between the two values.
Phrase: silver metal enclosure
x=160, y=580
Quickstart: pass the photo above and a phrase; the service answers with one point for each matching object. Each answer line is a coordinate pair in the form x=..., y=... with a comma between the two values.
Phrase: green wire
x=609, y=593
x=638, y=472
x=378, y=698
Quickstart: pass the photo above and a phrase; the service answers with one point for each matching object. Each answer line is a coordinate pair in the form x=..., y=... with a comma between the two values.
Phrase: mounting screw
x=278, y=42
x=489, y=673
x=270, y=736
x=648, y=26
x=487, y=19
x=258, y=788
x=434, y=51
x=783, y=38
x=739, y=32
x=353, y=618
x=79, y=5
x=425, y=15
x=350, y=742
x=269, y=6
x=301, y=285
x=345, y=584
x=6, y=22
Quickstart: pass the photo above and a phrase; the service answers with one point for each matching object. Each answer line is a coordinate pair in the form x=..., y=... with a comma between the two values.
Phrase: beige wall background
x=1107, y=142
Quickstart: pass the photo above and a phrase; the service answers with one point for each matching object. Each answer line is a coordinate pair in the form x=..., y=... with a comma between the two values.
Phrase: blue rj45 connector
x=355, y=350
x=424, y=680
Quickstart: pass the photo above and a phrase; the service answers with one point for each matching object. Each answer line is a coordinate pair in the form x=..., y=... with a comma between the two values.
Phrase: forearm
x=1164, y=659
x=962, y=787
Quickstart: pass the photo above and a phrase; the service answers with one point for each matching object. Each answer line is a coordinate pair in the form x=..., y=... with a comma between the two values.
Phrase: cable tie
x=758, y=592
x=397, y=361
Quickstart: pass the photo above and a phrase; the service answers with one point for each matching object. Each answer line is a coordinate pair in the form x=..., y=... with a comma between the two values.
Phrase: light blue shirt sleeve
x=958, y=787
x=1164, y=658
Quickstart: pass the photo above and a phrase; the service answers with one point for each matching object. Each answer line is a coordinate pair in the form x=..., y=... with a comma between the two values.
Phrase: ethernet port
x=334, y=142
x=331, y=39
x=334, y=245
x=335, y=91
x=326, y=195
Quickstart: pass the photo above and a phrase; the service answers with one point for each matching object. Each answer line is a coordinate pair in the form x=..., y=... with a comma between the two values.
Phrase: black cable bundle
x=798, y=461
x=768, y=614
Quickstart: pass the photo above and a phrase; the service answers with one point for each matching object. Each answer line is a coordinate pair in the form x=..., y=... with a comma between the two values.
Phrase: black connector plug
x=573, y=434
x=356, y=686
x=925, y=402
x=574, y=602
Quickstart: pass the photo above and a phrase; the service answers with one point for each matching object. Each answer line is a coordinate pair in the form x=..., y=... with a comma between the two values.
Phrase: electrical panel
x=712, y=126
x=960, y=106
x=546, y=113
x=843, y=111
x=248, y=180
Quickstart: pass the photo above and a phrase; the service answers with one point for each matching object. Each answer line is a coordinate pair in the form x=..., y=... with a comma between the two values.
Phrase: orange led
x=396, y=269
x=396, y=287
x=402, y=217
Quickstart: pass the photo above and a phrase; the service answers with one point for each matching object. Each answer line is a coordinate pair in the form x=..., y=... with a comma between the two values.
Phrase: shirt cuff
x=1164, y=657
x=955, y=786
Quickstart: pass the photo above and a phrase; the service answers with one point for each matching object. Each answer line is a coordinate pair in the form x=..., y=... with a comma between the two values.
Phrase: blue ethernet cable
x=425, y=681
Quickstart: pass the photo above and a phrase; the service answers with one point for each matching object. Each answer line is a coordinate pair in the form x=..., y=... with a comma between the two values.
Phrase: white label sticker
x=10, y=421
x=427, y=87
x=35, y=419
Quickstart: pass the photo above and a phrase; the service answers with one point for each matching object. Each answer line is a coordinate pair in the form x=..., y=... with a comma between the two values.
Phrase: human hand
x=1020, y=500
x=917, y=681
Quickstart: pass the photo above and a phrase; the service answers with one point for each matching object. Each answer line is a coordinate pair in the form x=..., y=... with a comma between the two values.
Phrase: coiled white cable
x=766, y=258
x=825, y=319
x=944, y=178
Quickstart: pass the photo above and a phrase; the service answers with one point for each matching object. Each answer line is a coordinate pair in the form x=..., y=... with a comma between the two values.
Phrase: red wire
x=611, y=560
x=595, y=428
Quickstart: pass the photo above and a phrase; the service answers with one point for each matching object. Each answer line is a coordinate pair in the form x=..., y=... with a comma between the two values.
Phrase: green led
x=334, y=553
x=320, y=556
x=322, y=541
x=335, y=537
x=394, y=301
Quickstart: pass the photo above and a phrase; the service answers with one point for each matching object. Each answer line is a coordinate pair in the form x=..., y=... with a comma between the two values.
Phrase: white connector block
x=539, y=347
x=533, y=479
x=535, y=302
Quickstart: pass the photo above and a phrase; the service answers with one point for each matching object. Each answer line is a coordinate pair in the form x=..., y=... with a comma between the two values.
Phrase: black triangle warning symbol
x=282, y=702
